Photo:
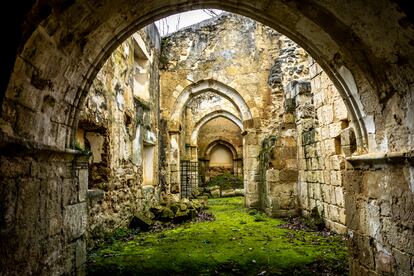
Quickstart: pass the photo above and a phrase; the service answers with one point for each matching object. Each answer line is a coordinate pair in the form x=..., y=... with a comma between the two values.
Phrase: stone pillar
x=379, y=206
x=174, y=163
x=194, y=153
x=43, y=210
x=251, y=148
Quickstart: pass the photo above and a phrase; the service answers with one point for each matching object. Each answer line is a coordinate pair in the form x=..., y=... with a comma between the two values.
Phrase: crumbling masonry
x=88, y=139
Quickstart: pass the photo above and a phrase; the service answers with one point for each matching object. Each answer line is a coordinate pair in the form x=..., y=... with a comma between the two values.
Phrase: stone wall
x=379, y=208
x=321, y=117
x=278, y=155
x=229, y=56
x=43, y=211
x=220, y=129
x=119, y=126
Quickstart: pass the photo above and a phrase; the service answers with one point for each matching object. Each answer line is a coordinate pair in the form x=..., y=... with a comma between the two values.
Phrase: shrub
x=226, y=181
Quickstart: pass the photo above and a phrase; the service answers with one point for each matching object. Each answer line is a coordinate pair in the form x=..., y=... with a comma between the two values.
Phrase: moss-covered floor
x=236, y=243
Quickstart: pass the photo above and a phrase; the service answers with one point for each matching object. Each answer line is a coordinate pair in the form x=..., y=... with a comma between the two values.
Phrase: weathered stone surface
x=46, y=86
x=75, y=220
x=141, y=221
x=227, y=193
x=215, y=193
x=117, y=125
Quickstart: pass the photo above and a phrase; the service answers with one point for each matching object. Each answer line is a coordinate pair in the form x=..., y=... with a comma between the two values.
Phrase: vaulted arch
x=210, y=86
x=211, y=116
x=222, y=142
x=365, y=72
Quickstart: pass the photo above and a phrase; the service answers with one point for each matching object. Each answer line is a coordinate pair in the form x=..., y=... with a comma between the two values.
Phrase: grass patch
x=235, y=243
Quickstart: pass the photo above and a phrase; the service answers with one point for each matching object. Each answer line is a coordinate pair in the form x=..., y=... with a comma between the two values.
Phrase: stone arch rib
x=211, y=116
x=217, y=87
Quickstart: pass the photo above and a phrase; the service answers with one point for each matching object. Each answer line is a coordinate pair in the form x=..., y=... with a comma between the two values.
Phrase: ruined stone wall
x=233, y=51
x=43, y=211
x=198, y=109
x=278, y=172
x=119, y=126
x=321, y=118
x=379, y=208
x=220, y=129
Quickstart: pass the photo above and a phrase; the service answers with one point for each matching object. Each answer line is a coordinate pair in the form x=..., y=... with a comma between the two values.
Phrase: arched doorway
x=57, y=59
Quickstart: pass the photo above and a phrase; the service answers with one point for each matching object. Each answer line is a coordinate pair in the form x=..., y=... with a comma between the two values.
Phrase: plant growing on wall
x=268, y=144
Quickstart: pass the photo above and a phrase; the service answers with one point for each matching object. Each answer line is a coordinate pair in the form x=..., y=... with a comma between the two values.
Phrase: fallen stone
x=140, y=221
x=209, y=189
x=239, y=192
x=215, y=193
x=228, y=193
x=167, y=213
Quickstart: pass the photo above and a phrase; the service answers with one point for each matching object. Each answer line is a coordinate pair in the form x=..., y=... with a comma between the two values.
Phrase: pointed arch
x=214, y=86
x=211, y=116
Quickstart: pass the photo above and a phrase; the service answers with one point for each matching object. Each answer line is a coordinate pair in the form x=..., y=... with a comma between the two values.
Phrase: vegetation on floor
x=226, y=181
x=238, y=242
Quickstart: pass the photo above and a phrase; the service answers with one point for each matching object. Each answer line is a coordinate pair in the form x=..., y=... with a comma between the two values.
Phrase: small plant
x=83, y=150
x=204, y=216
x=253, y=212
x=260, y=217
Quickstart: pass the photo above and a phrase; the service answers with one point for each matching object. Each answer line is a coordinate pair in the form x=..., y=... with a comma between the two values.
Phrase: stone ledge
x=381, y=157
x=13, y=145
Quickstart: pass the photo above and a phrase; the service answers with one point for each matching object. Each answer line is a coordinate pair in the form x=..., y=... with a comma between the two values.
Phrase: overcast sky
x=178, y=21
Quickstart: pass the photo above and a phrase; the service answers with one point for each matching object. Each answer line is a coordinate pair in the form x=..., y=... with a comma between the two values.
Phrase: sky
x=178, y=21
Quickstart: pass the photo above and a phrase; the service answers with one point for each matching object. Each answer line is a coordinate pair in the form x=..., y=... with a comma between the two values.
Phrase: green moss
x=234, y=244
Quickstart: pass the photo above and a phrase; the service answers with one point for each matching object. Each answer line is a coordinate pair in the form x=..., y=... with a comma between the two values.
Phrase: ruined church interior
x=271, y=138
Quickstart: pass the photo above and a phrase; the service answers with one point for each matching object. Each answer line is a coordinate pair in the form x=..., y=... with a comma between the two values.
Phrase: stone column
x=174, y=163
x=43, y=210
x=251, y=150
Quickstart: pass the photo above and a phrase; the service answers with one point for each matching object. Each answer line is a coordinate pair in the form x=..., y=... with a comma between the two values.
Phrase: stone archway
x=223, y=142
x=213, y=86
x=211, y=116
x=346, y=58
x=60, y=48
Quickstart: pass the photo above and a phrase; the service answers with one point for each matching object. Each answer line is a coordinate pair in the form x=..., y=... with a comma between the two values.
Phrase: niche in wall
x=221, y=156
x=148, y=164
x=141, y=69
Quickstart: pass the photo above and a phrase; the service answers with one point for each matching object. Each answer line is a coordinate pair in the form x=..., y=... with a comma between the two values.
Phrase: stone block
x=215, y=193
x=290, y=105
x=68, y=257
x=330, y=147
x=80, y=252
x=228, y=193
x=141, y=221
x=305, y=111
x=239, y=192
x=371, y=184
x=318, y=99
x=326, y=193
x=83, y=185
x=340, y=110
x=288, y=152
x=335, y=129
x=272, y=175
x=402, y=262
x=288, y=175
x=337, y=162
x=327, y=114
x=75, y=220
x=385, y=262
x=336, y=178
x=339, y=196
x=317, y=188
x=341, y=216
